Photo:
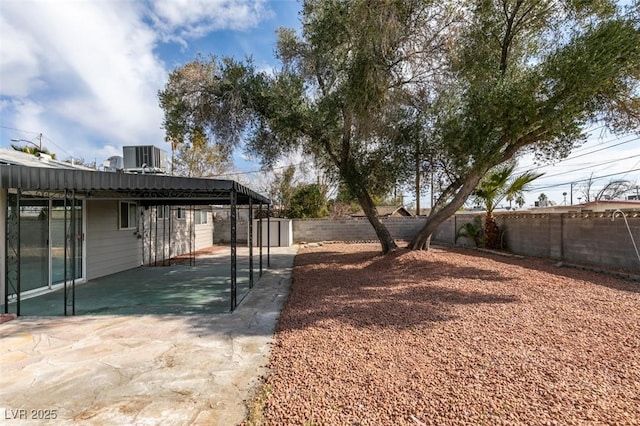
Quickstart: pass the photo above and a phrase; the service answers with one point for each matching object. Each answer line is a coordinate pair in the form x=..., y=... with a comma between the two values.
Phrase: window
x=127, y=219
x=162, y=212
x=182, y=213
x=201, y=217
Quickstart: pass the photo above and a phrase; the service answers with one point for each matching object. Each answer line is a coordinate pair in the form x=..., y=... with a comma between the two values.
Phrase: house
x=593, y=206
x=68, y=224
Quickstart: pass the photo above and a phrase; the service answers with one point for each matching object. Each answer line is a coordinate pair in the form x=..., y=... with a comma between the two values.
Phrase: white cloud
x=18, y=61
x=184, y=19
x=89, y=64
x=85, y=73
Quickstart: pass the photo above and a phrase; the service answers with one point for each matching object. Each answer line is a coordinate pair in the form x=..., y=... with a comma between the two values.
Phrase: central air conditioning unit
x=145, y=159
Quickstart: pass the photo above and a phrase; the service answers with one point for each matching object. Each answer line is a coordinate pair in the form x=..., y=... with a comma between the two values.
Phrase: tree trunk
x=491, y=232
x=439, y=214
x=417, y=164
x=353, y=179
x=381, y=231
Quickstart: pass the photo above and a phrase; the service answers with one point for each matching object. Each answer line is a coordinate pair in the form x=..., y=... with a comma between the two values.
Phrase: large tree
x=308, y=201
x=328, y=99
x=487, y=80
x=199, y=157
x=528, y=75
x=281, y=189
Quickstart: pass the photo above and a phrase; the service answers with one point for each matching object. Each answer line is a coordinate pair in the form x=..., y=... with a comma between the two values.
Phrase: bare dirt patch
x=452, y=337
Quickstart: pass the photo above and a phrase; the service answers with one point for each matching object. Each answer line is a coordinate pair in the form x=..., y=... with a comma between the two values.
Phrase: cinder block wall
x=222, y=231
x=353, y=229
x=599, y=240
x=584, y=238
x=357, y=229
x=530, y=234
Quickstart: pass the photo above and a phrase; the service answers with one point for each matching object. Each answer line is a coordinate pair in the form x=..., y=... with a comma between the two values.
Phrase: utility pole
x=432, y=197
x=571, y=197
x=417, y=170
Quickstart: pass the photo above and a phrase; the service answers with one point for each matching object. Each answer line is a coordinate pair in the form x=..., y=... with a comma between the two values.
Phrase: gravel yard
x=452, y=337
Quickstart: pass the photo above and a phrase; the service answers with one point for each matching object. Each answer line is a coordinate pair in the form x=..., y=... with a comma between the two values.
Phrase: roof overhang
x=148, y=189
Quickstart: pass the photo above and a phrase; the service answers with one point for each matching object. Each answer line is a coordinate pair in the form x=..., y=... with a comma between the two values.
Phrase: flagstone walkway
x=149, y=369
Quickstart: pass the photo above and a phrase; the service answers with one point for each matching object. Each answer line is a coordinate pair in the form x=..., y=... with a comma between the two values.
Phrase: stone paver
x=151, y=369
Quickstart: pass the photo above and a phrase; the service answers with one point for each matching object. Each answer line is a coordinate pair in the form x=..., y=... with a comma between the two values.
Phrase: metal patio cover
x=147, y=188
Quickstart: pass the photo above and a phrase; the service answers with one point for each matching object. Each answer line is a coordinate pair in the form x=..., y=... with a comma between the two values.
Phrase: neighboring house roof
x=423, y=212
x=19, y=158
x=596, y=206
x=148, y=189
x=386, y=211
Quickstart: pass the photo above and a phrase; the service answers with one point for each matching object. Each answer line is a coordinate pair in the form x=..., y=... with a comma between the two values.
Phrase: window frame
x=166, y=212
x=201, y=217
x=132, y=215
x=181, y=214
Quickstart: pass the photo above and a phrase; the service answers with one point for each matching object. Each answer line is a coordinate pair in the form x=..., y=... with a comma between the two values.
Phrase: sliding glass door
x=50, y=241
x=34, y=244
x=66, y=234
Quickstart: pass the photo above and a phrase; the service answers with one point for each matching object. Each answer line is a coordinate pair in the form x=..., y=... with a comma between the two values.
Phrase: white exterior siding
x=204, y=233
x=160, y=243
x=109, y=249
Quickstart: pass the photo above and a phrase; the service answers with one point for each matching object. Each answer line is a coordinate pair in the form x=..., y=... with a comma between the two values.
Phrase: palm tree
x=497, y=185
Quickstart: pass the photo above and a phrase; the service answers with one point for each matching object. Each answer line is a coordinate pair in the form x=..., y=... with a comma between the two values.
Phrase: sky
x=85, y=75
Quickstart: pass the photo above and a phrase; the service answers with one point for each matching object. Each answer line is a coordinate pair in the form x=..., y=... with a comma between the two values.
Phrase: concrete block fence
x=583, y=238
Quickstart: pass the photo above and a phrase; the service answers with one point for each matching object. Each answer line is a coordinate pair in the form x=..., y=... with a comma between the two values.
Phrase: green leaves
x=208, y=96
x=308, y=201
x=500, y=183
x=377, y=90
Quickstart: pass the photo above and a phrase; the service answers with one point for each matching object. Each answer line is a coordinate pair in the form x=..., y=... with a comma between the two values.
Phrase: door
x=66, y=234
x=34, y=244
x=47, y=236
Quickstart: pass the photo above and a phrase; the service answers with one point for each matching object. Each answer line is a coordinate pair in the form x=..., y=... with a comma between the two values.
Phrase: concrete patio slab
x=141, y=369
x=180, y=289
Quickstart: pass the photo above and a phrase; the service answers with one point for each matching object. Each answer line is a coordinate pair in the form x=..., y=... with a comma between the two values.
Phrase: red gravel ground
x=452, y=337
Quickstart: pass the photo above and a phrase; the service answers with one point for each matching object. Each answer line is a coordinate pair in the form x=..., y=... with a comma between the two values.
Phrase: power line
x=625, y=175
x=261, y=170
x=42, y=135
x=584, y=180
x=58, y=146
x=602, y=149
x=20, y=130
x=589, y=167
x=600, y=140
x=532, y=169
